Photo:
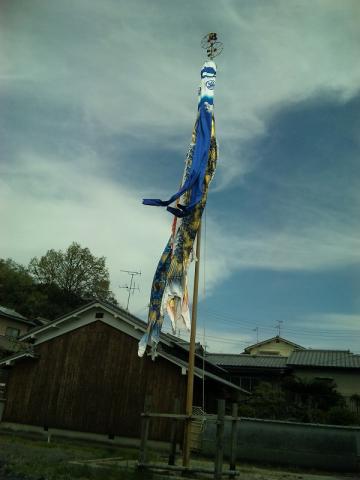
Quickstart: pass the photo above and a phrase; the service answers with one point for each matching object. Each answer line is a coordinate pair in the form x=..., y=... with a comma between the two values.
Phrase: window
x=12, y=332
x=268, y=352
x=324, y=379
x=99, y=315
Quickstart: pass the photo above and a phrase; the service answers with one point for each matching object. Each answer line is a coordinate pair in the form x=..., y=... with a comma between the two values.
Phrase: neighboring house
x=248, y=370
x=83, y=373
x=273, y=346
x=340, y=366
x=12, y=326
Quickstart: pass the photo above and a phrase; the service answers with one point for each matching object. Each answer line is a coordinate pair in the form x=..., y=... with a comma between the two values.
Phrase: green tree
x=298, y=399
x=266, y=401
x=19, y=291
x=75, y=271
x=312, y=399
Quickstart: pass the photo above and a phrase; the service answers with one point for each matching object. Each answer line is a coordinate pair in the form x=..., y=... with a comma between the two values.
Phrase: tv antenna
x=132, y=287
x=278, y=326
x=256, y=329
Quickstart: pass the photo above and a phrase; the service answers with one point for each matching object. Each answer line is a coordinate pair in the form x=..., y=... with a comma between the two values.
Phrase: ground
x=34, y=458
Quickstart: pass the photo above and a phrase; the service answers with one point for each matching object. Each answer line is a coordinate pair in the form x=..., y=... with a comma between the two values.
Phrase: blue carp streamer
x=195, y=179
x=169, y=292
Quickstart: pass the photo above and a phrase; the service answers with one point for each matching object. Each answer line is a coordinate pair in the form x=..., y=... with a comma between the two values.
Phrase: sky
x=98, y=101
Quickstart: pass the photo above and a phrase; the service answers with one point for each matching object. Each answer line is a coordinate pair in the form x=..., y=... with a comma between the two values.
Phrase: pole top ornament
x=211, y=44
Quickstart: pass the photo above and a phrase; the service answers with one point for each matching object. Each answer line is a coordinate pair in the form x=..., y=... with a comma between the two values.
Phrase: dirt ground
x=33, y=458
x=248, y=472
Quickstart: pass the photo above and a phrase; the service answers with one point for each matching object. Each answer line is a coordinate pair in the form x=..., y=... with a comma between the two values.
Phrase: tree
x=19, y=291
x=76, y=272
x=301, y=400
x=341, y=415
x=268, y=401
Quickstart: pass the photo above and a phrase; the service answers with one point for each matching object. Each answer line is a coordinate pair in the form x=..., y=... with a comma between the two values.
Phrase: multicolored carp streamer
x=169, y=292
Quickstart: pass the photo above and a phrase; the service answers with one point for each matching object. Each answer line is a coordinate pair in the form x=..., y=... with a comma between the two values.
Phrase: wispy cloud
x=332, y=322
x=127, y=67
x=316, y=246
x=98, y=103
x=54, y=203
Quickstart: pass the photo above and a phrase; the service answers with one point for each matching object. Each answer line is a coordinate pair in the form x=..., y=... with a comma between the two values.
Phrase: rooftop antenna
x=256, y=329
x=132, y=287
x=278, y=326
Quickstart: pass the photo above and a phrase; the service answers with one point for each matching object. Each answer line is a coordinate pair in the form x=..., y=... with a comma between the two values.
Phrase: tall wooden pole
x=190, y=378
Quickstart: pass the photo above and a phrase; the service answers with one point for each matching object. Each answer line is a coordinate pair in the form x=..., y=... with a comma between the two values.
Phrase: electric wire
x=303, y=331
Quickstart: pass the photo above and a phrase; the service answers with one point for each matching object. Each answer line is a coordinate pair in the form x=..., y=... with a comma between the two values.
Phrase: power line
x=247, y=324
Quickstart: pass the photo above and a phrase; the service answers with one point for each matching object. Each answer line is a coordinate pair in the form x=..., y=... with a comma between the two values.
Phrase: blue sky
x=98, y=100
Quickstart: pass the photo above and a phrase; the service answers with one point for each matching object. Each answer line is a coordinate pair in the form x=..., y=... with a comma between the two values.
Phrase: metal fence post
x=233, y=440
x=145, y=423
x=174, y=425
x=219, y=440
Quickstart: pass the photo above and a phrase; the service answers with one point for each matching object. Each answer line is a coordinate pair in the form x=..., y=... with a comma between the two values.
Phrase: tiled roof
x=276, y=339
x=298, y=358
x=246, y=360
x=324, y=358
x=11, y=313
x=29, y=353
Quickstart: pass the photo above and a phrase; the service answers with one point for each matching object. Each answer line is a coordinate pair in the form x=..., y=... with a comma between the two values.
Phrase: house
x=340, y=366
x=82, y=373
x=12, y=326
x=273, y=346
x=247, y=370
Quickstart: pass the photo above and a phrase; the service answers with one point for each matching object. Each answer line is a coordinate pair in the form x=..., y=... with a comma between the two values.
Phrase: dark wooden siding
x=92, y=380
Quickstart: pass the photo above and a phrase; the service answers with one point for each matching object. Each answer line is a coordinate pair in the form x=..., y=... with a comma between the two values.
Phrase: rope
x=204, y=257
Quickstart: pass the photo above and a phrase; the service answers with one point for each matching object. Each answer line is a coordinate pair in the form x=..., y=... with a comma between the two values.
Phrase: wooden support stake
x=187, y=471
x=233, y=441
x=174, y=425
x=190, y=378
x=145, y=423
x=219, y=440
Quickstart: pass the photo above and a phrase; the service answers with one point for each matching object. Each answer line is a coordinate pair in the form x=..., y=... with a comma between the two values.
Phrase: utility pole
x=130, y=288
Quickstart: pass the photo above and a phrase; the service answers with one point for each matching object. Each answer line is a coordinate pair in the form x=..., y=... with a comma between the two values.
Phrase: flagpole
x=190, y=378
x=213, y=48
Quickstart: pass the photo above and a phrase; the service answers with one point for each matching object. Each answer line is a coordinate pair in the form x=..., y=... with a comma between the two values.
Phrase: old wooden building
x=83, y=373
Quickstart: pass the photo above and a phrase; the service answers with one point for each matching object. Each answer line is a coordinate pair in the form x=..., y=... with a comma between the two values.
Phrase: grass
x=30, y=457
x=34, y=459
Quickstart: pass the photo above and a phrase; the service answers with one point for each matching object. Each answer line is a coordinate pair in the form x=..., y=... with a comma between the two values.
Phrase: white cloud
x=310, y=249
x=48, y=203
x=330, y=323
x=132, y=65
x=331, y=330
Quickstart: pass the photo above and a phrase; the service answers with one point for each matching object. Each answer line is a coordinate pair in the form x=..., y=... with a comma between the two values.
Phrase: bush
x=341, y=416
